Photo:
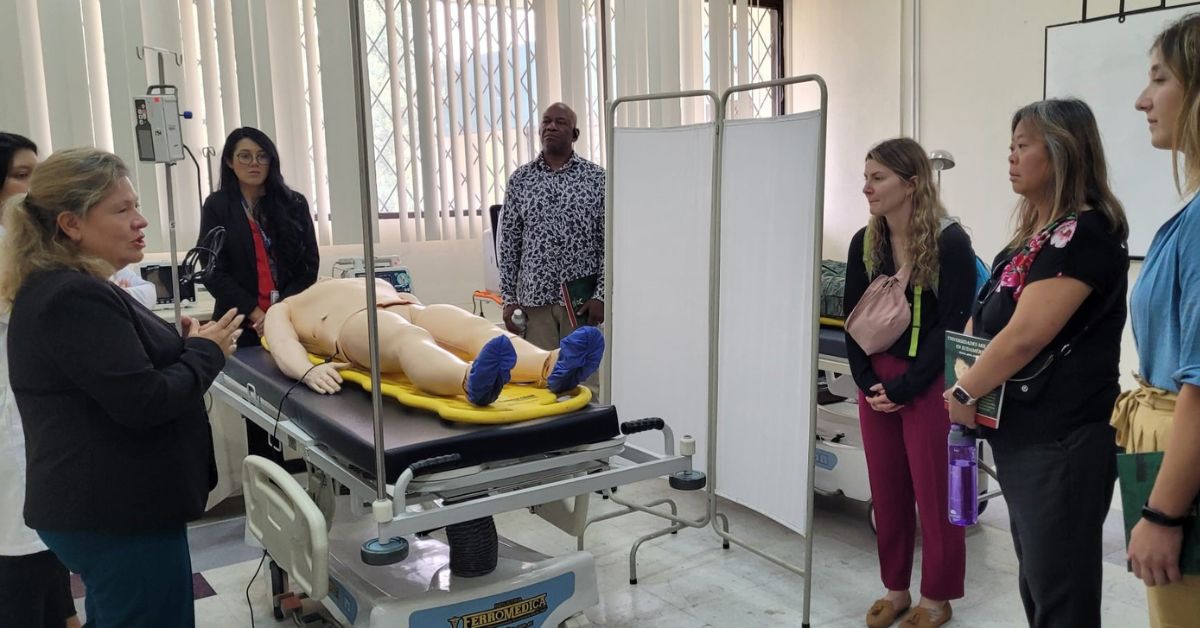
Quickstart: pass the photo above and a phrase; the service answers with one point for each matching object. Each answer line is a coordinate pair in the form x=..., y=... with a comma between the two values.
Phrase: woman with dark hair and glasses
x=270, y=250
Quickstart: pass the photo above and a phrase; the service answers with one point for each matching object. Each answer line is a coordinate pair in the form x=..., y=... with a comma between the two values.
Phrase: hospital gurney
x=841, y=464
x=439, y=475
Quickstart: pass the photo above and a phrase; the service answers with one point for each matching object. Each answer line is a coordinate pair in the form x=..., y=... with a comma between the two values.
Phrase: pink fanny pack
x=882, y=314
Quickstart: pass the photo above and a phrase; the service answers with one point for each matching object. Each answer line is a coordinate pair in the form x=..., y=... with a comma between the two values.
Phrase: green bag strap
x=867, y=251
x=916, y=322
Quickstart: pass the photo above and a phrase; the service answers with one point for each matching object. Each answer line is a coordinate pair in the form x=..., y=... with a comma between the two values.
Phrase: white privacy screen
x=770, y=232
x=662, y=204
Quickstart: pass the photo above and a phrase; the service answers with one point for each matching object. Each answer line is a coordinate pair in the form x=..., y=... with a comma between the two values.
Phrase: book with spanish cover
x=961, y=352
x=575, y=293
x=1137, y=473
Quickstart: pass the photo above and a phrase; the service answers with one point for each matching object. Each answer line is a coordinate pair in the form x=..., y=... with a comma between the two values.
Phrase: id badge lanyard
x=267, y=247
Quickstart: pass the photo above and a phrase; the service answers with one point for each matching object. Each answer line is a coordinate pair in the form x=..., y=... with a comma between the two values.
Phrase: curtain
x=454, y=91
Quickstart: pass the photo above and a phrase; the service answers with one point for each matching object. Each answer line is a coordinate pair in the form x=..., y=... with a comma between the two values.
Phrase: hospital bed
x=841, y=465
x=440, y=476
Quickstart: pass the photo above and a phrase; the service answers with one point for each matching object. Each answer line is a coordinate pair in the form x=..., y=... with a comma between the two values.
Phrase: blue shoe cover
x=491, y=370
x=578, y=357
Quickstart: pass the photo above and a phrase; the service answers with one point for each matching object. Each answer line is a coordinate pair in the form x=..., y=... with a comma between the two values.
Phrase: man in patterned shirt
x=551, y=232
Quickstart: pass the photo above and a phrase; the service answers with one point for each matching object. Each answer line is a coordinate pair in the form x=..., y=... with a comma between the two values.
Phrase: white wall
x=855, y=46
x=980, y=61
x=444, y=271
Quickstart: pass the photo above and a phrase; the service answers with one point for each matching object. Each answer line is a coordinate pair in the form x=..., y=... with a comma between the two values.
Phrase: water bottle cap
x=960, y=435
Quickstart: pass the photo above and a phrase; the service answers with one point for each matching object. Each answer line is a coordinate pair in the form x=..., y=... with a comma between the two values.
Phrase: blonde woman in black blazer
x=111, y=397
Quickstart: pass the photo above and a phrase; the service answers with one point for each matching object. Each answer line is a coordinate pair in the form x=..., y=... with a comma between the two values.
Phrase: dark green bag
x=833, y=289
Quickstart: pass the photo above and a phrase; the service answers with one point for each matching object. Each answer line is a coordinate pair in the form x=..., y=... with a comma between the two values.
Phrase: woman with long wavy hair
x=1163, y=414
x=903, y=417
x=1054, y=314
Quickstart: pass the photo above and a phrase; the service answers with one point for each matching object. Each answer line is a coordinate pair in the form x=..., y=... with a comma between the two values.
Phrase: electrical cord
x=210, y=246
x=251, y=583
x=274, y=442
x=199, y=190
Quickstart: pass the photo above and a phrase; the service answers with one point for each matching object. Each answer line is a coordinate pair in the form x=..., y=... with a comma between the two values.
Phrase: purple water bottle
x=963, y=496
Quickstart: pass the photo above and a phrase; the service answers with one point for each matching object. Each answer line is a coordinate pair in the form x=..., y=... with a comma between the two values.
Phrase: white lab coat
x=15, y=538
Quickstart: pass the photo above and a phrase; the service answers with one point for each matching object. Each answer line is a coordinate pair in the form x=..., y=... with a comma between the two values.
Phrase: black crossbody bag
x=1028, y=383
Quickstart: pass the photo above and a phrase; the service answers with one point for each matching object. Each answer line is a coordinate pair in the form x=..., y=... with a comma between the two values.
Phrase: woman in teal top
x=1164, y=413
x=1165, y=304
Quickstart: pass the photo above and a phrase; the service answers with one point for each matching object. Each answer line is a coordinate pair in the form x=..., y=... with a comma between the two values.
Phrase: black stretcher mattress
x=832, y=341
x=342, y=423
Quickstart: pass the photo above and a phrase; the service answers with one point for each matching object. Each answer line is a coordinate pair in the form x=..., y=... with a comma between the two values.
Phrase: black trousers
x=35, y=591
x=1058, y=495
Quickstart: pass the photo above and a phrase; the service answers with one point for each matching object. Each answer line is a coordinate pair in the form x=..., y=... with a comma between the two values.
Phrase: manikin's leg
x=405, y=347
x=465, y=334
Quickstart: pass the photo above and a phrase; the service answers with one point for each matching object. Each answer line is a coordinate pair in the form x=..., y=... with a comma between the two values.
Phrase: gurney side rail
x=411, y=523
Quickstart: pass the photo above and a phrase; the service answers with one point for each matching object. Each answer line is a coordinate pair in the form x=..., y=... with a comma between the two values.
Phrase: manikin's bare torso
x=319, y=313
x=431, y=345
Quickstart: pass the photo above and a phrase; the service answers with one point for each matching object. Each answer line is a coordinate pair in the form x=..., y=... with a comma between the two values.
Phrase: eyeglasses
x=246, y=159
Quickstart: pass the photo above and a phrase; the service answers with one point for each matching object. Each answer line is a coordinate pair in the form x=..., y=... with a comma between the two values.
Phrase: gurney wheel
x=689, y=480
x=378, y=553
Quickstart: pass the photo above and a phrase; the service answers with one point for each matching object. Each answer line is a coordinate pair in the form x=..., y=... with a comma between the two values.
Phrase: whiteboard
x=1105, y=64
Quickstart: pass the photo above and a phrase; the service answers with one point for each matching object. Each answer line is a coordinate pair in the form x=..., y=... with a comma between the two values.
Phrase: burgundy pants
x=906, y=462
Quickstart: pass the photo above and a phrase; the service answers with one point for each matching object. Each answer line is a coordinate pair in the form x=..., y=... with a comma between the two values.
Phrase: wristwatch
x=1158, y=517
x=961, y=395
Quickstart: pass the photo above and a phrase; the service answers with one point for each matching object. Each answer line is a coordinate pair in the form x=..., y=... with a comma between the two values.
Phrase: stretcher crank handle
x=435, y=461
x=642, y=425
x=652, y=423
x=414, y=469
x=417, y=467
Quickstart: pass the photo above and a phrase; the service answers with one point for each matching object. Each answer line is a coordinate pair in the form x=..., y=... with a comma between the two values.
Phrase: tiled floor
x=687, y=580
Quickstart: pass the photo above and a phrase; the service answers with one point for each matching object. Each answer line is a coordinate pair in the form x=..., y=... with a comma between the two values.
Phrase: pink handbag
x=882, y=314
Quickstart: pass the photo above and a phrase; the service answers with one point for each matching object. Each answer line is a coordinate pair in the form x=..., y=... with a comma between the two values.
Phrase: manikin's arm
x=292, y=358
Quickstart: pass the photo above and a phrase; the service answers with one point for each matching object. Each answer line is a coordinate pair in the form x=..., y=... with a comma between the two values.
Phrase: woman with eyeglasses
x=270, y=250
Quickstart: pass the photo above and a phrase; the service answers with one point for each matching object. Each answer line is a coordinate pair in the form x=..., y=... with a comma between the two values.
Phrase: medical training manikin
x=429, y=344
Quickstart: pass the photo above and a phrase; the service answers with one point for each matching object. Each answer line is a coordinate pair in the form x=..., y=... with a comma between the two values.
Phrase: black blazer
x=233, y=282
x=112, y=402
